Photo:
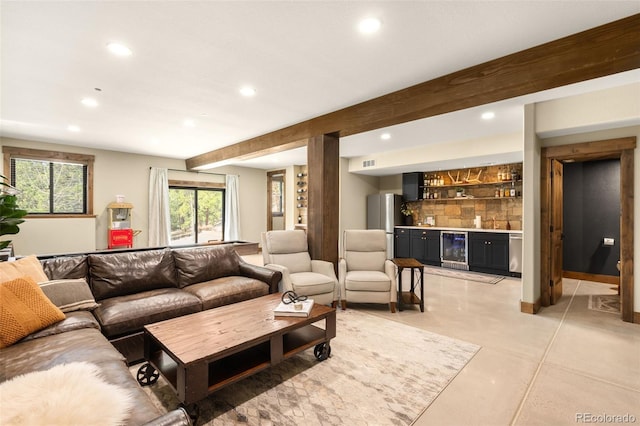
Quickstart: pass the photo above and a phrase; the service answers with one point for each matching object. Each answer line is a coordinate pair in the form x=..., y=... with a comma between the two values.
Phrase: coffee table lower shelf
x=236, y=366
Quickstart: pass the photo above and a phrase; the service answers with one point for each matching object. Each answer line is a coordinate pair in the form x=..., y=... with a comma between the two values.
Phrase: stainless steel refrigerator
x=383, y=212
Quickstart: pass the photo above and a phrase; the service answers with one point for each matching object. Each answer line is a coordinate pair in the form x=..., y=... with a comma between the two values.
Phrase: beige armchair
x=365, y=273
x=287, y=252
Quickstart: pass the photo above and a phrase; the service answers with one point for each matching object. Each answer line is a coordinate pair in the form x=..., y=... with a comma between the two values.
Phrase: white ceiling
x=304, y=58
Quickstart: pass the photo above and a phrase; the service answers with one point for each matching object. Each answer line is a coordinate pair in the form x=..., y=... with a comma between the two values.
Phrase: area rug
x=609, y=303
x=380, y=372
x=67, y=394
x=463, y=275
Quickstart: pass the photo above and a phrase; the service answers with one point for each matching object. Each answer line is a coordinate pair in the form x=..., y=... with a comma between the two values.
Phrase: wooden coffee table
x=201, y=353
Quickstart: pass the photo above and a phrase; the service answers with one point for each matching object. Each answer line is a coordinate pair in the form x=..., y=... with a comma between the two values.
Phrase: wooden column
x=323, y=202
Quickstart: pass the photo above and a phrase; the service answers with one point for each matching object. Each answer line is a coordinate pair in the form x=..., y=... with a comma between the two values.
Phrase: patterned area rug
x=380, y=373
x=609, y=303
x=463, y=275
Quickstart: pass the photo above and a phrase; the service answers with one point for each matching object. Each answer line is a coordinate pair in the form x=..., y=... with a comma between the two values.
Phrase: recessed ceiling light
x=119, y=49
x=89, y=102
x=385, y=136
x=247, y=91
x=189, y=122
x=369, y=25
x=73, y=128
x=488, y=115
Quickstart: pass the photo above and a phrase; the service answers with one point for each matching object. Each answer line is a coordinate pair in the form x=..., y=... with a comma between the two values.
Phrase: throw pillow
x=69, y=295
x=24, y=309
x=29, y=266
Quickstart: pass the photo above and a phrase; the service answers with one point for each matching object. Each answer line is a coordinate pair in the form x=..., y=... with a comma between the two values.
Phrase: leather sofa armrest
x=269, y=276
x=177, y=417
x=287, y=285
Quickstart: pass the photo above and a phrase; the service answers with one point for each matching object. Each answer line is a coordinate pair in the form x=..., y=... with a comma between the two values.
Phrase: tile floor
x=558, y=367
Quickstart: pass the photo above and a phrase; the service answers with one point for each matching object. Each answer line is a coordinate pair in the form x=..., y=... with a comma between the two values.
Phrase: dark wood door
x=556, y=232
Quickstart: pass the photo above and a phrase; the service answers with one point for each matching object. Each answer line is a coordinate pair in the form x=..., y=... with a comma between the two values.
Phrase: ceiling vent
x=368, y=163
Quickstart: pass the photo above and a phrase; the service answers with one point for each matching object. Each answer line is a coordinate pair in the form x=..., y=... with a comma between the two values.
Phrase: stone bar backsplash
x=453, y=213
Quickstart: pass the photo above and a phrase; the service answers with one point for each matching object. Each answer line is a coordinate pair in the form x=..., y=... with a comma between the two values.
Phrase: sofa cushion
x=69, y=294
x=227, y=290
x=310, y=283
x=73, y=321
x=24, y=309
x=196, y=265
x=27, y=266
x=367, y=281
x=66, y=267
x=129, y=314
x=119, y=274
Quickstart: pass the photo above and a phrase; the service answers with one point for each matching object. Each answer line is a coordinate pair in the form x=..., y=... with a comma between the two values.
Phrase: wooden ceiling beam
x=608, y=49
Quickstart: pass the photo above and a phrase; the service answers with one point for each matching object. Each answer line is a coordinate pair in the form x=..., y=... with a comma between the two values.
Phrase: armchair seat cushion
x=227, y=290
x=310, y=283
x=128, y=314
x=367, y=281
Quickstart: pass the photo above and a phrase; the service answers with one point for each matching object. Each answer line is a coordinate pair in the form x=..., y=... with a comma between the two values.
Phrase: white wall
x=488, y=147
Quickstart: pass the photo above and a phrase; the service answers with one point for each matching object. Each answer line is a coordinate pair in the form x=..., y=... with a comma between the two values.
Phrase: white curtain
x=232, y=209
x=159, y=220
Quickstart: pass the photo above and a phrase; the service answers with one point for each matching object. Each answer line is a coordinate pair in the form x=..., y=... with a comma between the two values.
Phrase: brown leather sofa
x=134, y=288
x=78, y=338
x=139, y=287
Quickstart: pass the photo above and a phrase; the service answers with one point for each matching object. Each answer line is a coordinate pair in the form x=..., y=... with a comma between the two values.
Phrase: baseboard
x=530, y=308
x=636, y=317
x=598, y=278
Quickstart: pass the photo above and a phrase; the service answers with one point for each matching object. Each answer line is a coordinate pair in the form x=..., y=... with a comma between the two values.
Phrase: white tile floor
x=543, y=369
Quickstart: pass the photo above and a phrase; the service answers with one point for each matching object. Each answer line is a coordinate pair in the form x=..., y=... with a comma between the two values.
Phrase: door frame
x=270, y=175
x=623, y=149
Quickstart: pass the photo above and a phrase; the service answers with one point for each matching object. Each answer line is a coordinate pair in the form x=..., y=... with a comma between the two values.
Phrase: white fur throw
x=67, y=394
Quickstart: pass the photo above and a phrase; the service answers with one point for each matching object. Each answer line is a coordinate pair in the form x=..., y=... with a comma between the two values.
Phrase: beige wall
x=354, y=189
x=127, y=174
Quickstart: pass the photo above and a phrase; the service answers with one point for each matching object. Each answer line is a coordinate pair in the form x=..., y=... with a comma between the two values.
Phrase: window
x=51, y=183
x=197, y=214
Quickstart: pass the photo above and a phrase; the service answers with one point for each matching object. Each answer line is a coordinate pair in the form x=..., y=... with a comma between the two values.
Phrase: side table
x=410, y=297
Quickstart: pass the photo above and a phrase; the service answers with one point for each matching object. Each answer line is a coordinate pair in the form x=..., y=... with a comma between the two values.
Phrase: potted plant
x=407, y=213
x=10, y=214
x=459, y=191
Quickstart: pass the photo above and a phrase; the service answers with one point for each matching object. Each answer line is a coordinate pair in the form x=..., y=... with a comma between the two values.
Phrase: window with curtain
x=197, y=214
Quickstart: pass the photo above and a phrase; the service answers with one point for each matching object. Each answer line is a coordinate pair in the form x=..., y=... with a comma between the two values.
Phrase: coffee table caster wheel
x=322, y=351
x=193, y=411
x=147, y=375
